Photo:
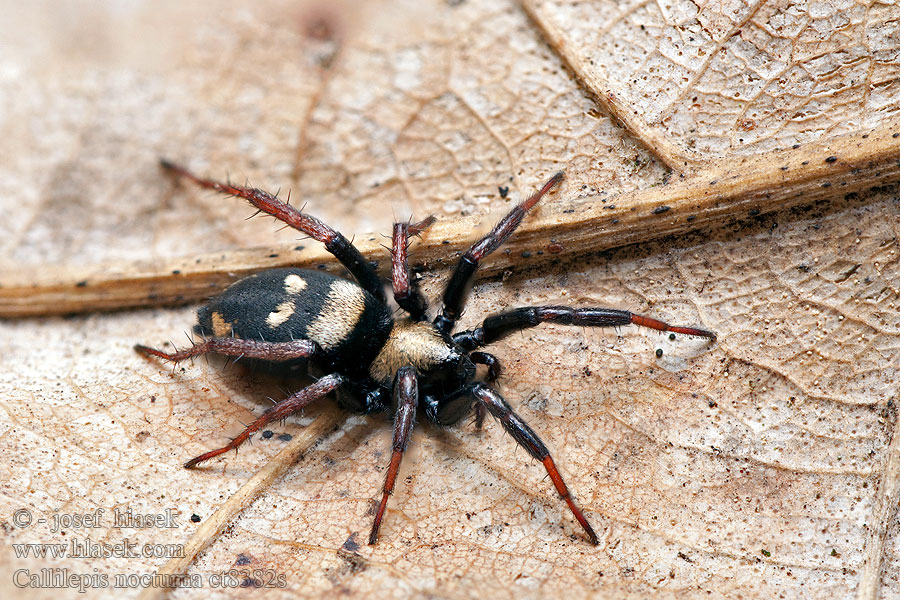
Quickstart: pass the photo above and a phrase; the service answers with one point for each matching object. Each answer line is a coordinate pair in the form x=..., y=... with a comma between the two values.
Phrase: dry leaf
x=725, y=78
x=766, y=465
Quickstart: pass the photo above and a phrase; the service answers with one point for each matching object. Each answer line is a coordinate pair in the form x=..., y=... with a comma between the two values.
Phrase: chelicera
x=297, y=318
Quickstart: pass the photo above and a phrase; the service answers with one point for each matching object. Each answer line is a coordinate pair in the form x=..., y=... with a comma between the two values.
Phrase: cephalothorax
x=295, y=317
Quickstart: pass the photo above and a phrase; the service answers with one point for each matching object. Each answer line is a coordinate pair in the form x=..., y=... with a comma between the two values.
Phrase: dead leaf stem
x=326, y=422
x=884, y=509
x=728, y=190
x=620, y=107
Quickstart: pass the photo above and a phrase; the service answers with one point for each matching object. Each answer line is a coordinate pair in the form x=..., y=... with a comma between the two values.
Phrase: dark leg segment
x=490, y=361
x=334, y=242
x=460, y=283
x=289, y=405
x=494, y=369
x=406, y=398
x=406, y=294
x=528, y=439
x=499, y=326
x=272, y=351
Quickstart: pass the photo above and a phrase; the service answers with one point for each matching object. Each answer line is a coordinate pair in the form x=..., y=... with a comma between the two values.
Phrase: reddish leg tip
x=148, y=351
x=592, y=537
x=710, y=335
x=417, y=228
x=376, y=525
x=658, y=325
x=582, y=520
x=199, y=459
x=564, y=493
x=213, y=453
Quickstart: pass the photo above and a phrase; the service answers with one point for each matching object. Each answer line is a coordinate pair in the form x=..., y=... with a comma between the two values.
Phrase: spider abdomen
x=282, y=305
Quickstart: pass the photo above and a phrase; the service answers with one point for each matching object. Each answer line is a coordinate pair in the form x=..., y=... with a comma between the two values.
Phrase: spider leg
x=334, y=241
x=528, y=439
x=406, y=398
x=272, y=351
x=406, y=293
x=490, y=361
x=501, y=325
x=460, y=283
x=494, y=369
x=291, y=404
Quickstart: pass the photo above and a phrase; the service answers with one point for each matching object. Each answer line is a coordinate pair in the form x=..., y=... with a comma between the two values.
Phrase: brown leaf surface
x=718, y=78
x=765, y=465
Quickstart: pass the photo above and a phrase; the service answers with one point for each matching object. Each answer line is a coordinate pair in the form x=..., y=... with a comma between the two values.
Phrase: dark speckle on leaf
x=661, y=209
x=504, y=191
x=351, y=544
x=831, y=159
x=285, y=437
x=354, y=562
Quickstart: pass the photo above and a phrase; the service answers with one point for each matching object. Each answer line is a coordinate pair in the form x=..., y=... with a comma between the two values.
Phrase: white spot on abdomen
x=339, y=314
x=281, y=314
x=294, y=284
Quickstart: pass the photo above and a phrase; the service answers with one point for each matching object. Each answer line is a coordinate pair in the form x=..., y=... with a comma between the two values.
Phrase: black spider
x=347, y=330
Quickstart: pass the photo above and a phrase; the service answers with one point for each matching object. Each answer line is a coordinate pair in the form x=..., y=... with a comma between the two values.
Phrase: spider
x=293, y=317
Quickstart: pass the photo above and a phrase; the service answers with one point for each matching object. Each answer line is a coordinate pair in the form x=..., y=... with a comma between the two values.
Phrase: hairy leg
x=501, y=325
x=334, y=241
x=460, y=284
x=406, y=398
x=289, y=405
x=241, y=348
x=528, y=439
x=406, y=293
